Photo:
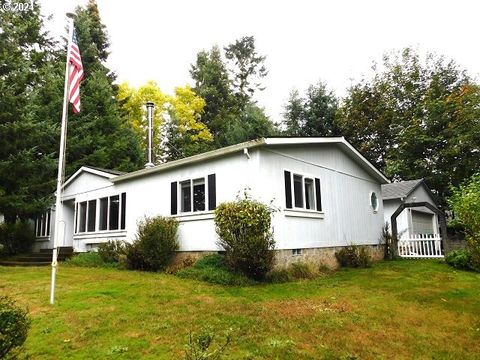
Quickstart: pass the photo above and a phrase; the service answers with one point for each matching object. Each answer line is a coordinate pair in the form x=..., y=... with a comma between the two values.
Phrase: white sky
x=304, y=40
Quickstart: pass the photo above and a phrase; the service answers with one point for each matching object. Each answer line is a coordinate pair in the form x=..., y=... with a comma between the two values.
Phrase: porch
x=420, y=246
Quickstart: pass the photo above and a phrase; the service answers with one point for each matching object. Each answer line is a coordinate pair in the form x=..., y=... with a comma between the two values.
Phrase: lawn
x=394, y=310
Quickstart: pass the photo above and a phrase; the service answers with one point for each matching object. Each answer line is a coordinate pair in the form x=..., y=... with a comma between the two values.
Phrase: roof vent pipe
x=150, y=107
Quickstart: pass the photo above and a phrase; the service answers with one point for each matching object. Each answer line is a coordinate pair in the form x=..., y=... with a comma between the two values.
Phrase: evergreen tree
x=213, y=85
x=230, y=113
x=97, y=135
x=27, y=165
x=313, y=115
x=246, y=69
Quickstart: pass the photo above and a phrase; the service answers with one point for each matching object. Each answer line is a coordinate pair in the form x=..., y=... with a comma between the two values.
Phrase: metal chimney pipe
x=150, y=107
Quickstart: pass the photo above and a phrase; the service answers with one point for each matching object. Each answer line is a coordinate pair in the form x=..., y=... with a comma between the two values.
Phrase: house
x=414, y=220
x=327, y=195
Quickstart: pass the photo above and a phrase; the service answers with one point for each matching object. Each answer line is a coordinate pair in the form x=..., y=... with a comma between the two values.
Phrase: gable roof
x=403, y=189
x=106, y=173
x=262, y=142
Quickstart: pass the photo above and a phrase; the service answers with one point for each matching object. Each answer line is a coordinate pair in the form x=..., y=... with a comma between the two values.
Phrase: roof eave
x=190, y=160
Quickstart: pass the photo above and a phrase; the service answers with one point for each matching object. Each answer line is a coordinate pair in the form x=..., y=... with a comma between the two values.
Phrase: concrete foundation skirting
x=283, y=258
x=320, y=256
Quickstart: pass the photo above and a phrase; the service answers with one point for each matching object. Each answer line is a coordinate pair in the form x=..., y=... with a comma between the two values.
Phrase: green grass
x=212, y=269
x=89, y=259
x=394, y=310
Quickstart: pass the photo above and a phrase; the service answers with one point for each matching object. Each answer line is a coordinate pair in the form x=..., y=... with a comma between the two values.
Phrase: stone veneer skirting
x=283, y=258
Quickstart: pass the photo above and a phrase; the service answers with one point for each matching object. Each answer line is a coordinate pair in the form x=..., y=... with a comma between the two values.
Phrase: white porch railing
x=420, y=246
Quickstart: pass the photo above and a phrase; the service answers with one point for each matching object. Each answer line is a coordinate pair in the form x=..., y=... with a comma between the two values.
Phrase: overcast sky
x=304, y=41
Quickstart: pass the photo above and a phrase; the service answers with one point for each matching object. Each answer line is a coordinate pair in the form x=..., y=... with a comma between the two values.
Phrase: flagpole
x=61, y=166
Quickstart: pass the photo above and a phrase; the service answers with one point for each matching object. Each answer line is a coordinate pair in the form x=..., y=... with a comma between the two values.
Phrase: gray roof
x=108, y=171
x=399, y=189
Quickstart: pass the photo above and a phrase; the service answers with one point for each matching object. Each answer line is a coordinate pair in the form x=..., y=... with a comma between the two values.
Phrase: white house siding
x=390, y=206
x=345, y=187
x=84, y=183
x=150, y=196
x=47, y=241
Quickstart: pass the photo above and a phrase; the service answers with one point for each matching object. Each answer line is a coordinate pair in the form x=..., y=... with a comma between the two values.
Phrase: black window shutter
x=123, y=211
x=318, y=194
x=288, y=190
x=173, y=200
x=212, y=192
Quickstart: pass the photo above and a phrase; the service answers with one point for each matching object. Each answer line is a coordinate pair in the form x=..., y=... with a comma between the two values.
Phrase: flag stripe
x=76, y=74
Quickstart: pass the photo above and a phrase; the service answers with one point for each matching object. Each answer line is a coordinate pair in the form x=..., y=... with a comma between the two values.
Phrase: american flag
x=76, y=74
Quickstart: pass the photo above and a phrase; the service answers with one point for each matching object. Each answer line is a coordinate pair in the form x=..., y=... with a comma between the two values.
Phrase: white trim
x=180, y=199
x=292, y=190
x=100, y=235
x=42, y=238
x=88, y=170
x=304, y=213
x=198, y=215
x=252, y=144
x=374, y=209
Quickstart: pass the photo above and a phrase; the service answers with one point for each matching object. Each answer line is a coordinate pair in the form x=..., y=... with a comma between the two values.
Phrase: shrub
x=300, y=270
x=459, y=259
x=212, y=269
x=16, y=238
x=134, y=258
x=155, y=245
x=89, y=259
x=465, y=202
x=390, y=243
x=294, y=271
x=111, y=251
x=353, y=256
x=14, y=325
x=243, y=227
x=199, y=346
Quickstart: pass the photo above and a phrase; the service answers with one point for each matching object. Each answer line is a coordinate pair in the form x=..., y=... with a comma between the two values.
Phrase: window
x=42, y=224
x=297, y=191
x=374, y=201
x=193, y=195
x=199, y=194
x=114, y=212
x=309, y=194
x=297, y=251
x=103, y=219
x=302, y=192
x=82, y=217
x=111, y=214
x=92, y=215
x=186, y=198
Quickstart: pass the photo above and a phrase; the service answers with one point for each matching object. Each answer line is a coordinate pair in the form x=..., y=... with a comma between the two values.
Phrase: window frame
x=192, y=210
x=121, y=218
x=374, y=209
x=303, y=177
x=43, y=224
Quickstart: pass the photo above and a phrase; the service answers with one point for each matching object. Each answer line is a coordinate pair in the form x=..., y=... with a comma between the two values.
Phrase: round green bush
x=14, y=325
x=243, y=227
x=155, y=245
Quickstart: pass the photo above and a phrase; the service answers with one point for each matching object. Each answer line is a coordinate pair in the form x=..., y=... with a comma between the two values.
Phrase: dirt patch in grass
x=304, y=307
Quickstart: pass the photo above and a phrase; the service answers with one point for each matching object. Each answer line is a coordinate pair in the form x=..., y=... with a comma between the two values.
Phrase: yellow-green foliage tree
x=178, y=130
